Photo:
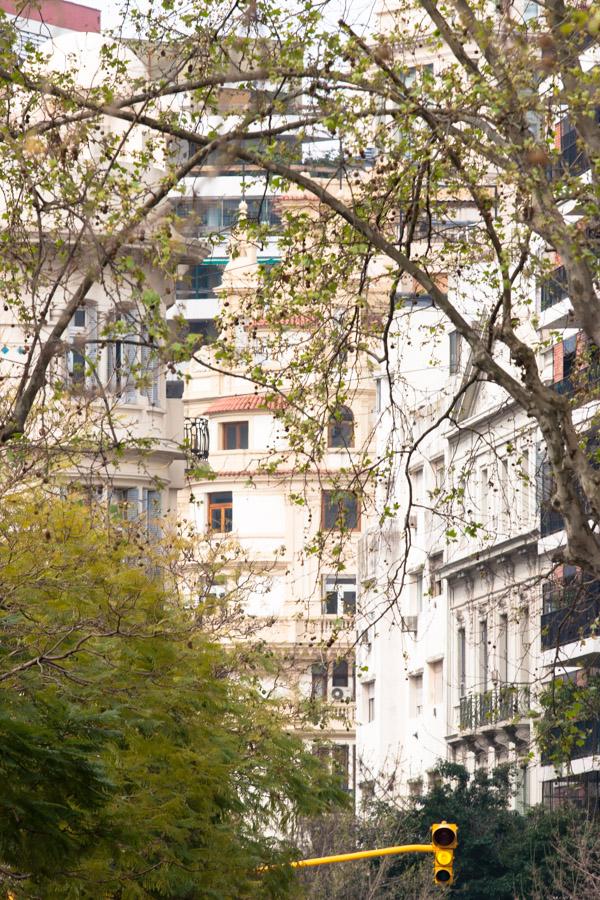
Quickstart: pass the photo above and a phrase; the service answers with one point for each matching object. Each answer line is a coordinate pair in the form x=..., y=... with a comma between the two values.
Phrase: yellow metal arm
x=364, y=854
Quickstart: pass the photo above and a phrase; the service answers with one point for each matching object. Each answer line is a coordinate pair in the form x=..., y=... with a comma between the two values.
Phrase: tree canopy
x=139, y=757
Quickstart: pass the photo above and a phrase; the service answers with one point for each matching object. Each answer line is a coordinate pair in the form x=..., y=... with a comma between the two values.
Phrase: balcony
x=586, y=745
x=554, y=288
x=573, y=614
x=577, y=384
x=503, y=703
x=195, y=432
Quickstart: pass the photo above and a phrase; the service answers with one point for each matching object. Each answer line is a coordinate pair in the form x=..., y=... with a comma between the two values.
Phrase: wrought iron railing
x=577, y=615
x=554, y=288
x=580, y=384
x=502, y=703
x=196, y=436
x=587, y=744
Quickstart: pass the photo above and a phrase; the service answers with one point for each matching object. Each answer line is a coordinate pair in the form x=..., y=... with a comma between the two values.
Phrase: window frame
x=340, y=674
x=338, y=525
x=319, y=682
x=238, y=426
x=221, y=506
x=415, y=695
x=338, y=586
x=340, y=429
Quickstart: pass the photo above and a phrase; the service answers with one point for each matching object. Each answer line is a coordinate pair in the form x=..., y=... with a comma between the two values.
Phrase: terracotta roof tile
x=237, y=403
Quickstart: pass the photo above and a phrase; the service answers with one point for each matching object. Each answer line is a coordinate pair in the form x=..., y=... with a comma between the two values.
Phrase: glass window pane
x=349, y=603
x=340, y=510
x=340, y=673
x=220, y=497
x=331, y=603
x=228, y=518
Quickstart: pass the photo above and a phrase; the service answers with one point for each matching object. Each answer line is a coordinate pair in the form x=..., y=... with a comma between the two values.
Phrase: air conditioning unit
x=410, y=623
x=340, y=694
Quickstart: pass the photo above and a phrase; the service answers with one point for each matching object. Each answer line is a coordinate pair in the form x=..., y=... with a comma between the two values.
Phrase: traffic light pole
x=444, y=840
x=364, y=854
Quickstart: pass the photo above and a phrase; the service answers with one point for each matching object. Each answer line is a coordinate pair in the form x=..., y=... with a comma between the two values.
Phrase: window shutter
x=149, y=365
x=133, y=500
x=152, y=511
x=91, y=347
x=129, y=356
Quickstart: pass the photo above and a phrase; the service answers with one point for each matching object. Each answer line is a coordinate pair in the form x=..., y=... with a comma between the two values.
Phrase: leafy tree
x=138, y=756
x=501, y=853
x=481, y=131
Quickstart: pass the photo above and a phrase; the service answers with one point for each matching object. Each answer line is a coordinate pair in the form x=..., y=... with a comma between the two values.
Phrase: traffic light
x=444, y=840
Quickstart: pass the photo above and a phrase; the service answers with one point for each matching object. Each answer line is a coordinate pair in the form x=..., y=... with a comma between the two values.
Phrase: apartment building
x=42, y=21
x=113, y=415
x=303, y=606
x=450, y=599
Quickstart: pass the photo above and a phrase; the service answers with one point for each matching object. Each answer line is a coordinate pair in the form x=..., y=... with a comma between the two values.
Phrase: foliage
x=570, y=709
x=134, y=763
x=501, y=853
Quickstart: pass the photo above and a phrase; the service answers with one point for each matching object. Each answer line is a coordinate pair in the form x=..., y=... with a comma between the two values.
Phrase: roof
x=60, y=13
x=238, y=403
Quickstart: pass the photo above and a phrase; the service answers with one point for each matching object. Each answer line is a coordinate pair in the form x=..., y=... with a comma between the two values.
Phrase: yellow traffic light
x=444, y=839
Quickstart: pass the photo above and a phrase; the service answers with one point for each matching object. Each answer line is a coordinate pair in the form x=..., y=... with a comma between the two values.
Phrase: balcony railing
x=577, y=617
x=196, y=436
x=579, y=383
x=502, y=703
x=587, y=745
x=554, y=288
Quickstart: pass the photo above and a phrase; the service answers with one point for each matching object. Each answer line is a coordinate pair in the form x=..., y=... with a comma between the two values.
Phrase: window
x=201, y=283
x=435, y=578
x=503, y=649
x=235, y=435
x=455, y=352
x=580, y=791
x=122, y=359
x=414, y=73
x=416, y=481
x=378, y=395
x=340, y=755
x=484, y=492
x=340, y=677
x=436, y=682
x=340, y=430
x=439, y=476
x=124, y=502
x=415, y=695
x=417, y=582
x=415, y=787
x=339, y=595
x=483, y=654
x=370, y=691
x=83, y=345
x=525, y=486
x=318, y=689
x=152, y=510
x=340, y=511
x=554, y=288
x=220, y=511
x=461, y=650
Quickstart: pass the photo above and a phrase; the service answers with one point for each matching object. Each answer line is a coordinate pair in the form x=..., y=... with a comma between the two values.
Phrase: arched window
x=340, y=430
